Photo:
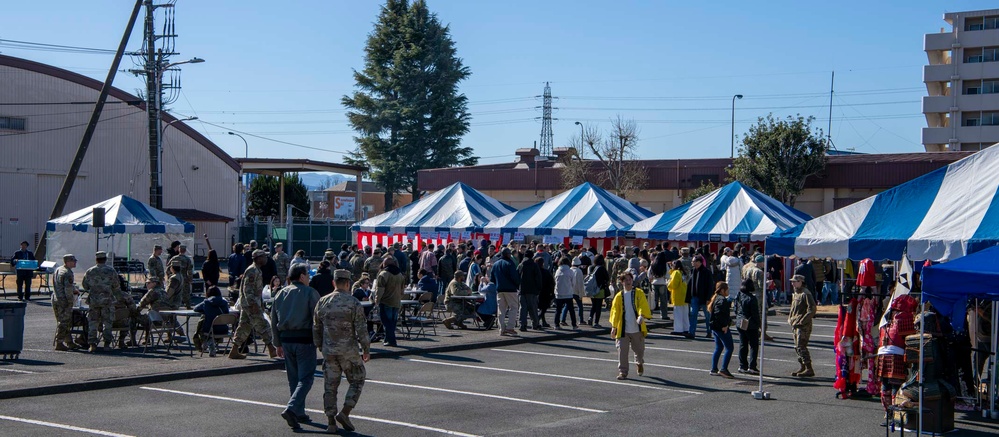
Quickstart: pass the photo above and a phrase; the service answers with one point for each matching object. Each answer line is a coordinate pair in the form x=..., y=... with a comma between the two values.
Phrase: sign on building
x=343, y=208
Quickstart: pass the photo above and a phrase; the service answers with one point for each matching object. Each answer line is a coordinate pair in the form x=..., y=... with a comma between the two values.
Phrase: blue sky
x=278, y=69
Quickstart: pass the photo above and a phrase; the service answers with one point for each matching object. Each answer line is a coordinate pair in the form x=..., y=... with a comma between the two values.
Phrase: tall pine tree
x=407, y=109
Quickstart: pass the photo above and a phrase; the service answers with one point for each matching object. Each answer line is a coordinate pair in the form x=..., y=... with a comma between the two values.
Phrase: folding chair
x=229, y=321
x=122, y=324
x=157, y=328
x=424, y=317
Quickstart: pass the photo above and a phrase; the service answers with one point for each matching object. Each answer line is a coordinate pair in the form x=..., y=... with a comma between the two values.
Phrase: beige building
x=962, y=83
x=43, y=113
x=327, y=203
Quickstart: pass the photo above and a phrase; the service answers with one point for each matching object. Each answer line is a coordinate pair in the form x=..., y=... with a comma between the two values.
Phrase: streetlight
x=737, y=96
x=580, y=134
x=172, y=122
x=242, y=183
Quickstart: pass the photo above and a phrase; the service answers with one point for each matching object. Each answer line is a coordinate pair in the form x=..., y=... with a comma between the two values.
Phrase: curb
x=278, y=364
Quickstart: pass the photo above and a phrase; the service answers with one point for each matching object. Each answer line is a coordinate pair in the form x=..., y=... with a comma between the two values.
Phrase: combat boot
x=60, y=346
x=72, y=345
x=93, y=348
x=344, y=419
x=809, y=372
x=271, y=351
x=800, y=370
x=448, y=322
x=331, y=428
x=234, y=353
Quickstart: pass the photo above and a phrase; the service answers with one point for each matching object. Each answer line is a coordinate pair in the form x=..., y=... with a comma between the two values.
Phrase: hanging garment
x=866, y=320
x=867, y=276
x=847, y=346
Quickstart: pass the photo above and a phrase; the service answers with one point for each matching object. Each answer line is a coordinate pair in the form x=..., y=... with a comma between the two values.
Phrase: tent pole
x=920, y=375
x=995, y=364
x=760, y=394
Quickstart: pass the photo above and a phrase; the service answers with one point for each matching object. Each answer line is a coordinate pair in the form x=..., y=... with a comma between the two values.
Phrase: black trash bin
x=11, y=329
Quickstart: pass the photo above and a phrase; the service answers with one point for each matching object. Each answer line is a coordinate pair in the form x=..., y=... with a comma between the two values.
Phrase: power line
x=67, y=127
x=37, y=46
x=274, y=140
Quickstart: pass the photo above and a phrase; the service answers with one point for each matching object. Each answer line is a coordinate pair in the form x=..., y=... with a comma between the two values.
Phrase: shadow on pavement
x=576, y=348
x=25, y=362
x=446, y=357
x=663, y=382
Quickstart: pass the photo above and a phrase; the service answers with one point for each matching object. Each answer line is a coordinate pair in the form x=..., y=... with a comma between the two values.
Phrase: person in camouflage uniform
x=101, y=281
x=461, y=308
x=357, y=265
x=374, y=263
x=154, y=299
x=251, y=314
x=282, y=261
x=340, y=332
x=125, y=300
x=154, y=265
x=186, y=265
x=63, y=295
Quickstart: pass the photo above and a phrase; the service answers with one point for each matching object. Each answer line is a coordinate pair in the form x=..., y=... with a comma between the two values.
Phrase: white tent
x=131, y=230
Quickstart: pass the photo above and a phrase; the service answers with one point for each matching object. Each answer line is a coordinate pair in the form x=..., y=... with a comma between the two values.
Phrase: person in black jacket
x=547, y=292
x=747, y=321
x=721, y=317
x=602, y=276
x=805, y=269
x=24, y=276
x=700, y=290
x=530, y=288
x=323, y=281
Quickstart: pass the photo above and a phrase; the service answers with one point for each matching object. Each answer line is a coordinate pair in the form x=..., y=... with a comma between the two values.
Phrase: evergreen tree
x=407, y=110
x=264, y=197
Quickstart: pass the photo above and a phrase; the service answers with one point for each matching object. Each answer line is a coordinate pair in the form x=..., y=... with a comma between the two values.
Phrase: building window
x=12, y=123
x=990, y=118
x=971, y=118
x=981, y=23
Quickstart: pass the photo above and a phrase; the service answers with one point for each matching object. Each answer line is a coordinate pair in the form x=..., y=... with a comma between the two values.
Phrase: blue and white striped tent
x=587, y=211
x=941, y=215
x=453, y=209
x=734, y=212
x=123, y=215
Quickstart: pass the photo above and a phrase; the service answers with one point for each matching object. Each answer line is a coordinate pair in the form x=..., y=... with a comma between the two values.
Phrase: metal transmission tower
x=153, y=63
x=547, y=147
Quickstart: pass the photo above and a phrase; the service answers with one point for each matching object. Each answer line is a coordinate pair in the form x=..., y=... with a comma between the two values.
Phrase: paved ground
x=557, y=388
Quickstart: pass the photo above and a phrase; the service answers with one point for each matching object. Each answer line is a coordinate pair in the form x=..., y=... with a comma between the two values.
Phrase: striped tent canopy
x=122, y=215
x=455, y=208
x=734, y=212
x=586, y=210
x=941, y=215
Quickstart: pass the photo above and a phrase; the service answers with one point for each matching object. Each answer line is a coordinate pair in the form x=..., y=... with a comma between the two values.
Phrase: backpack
x=590, y=287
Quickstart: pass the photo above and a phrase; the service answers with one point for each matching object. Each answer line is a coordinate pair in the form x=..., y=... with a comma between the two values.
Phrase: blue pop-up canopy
x=948, y=286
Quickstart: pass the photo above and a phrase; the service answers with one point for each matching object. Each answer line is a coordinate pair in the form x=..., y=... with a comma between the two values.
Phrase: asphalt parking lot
x=563, y=388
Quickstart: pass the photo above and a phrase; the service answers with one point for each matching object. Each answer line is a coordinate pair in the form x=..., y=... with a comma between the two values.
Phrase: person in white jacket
x=733, y=270
x=565, y=288
x=577, y=292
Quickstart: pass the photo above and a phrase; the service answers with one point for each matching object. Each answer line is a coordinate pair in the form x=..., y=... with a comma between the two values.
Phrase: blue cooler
x=26, y=264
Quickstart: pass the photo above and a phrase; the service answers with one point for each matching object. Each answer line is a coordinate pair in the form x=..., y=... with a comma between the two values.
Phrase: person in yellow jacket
x=678, y=295
x=629, y=311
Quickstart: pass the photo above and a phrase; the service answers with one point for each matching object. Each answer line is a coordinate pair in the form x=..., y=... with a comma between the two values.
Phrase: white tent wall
x=83, y=244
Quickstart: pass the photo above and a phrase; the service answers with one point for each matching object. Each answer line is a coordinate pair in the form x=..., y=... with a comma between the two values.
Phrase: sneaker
x=713, y=373
x=741, y=370
x=621, y=376
x=304, y=418
x=597, y=325
x=641, y=369
x=726, y=374
x=753, y=371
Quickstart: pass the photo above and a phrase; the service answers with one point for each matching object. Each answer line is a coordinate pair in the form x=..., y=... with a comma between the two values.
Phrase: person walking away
x=24, y=276
x=721, y=317
x=154, y=265
x=504, y=275
x=629, y=311
x=754, y=272
x=357, y=264
x=577, y=290
x=546, y=297
x=530, y=288
x=251, y=314
x=291, y=324
x=800, y=318
x=603, y=279
x=323, y=281
x=101, y=282
x=446, y=266
x=678, y=293
x=64, y=294
x=282, y=261
x=830, y=287
x=461, y=309
x=388, y=297
x=701, y=290
x=211, y=270
x=747, y=322
x=565, y=288
x=805, y=270
x=339, y=332
x=428, y=261
x=733, y=270
x=210, y=308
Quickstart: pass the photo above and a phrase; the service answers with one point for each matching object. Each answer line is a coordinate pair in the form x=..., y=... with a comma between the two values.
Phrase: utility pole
x=81, y=152
x=832, y=84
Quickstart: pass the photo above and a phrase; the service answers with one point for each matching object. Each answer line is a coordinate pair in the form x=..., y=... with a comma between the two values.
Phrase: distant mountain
x=317, y=181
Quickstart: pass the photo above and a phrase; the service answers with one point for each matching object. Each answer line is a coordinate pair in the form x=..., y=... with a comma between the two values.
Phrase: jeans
x=830, y=293
x=24, y=284
x=662, y=300
x=749, y=346
x=722, y=339
x=529, y=306
x=578, y=300
x=695, y=306
x=300, y=363
x=389, y=316
x=563, y=306
x=596, y=306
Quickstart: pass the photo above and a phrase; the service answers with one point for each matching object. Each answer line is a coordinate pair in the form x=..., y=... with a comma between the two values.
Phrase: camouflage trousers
x=100, y=318
x=185, y=291
x=801, y=336
x=333, y=367
x=64, y=320
x=252, y=322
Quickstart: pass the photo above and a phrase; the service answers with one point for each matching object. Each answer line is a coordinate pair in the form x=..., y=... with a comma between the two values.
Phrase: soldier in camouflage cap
x=101, y=281
x=282, y=261
x=340, y=332
x=154, y=265
x=251, y=311
x=186, y=272
x=63, y=295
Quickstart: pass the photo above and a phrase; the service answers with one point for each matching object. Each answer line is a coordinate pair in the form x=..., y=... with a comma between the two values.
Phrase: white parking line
x=282, y=406
x=505, y=398
x=18, y=371
x=66, y=427
x=611, y=360
x=781, y=333
x=710, y=353
x=550, y=375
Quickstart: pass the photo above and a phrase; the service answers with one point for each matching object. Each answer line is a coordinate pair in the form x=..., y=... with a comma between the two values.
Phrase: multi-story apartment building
x=962, y=82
